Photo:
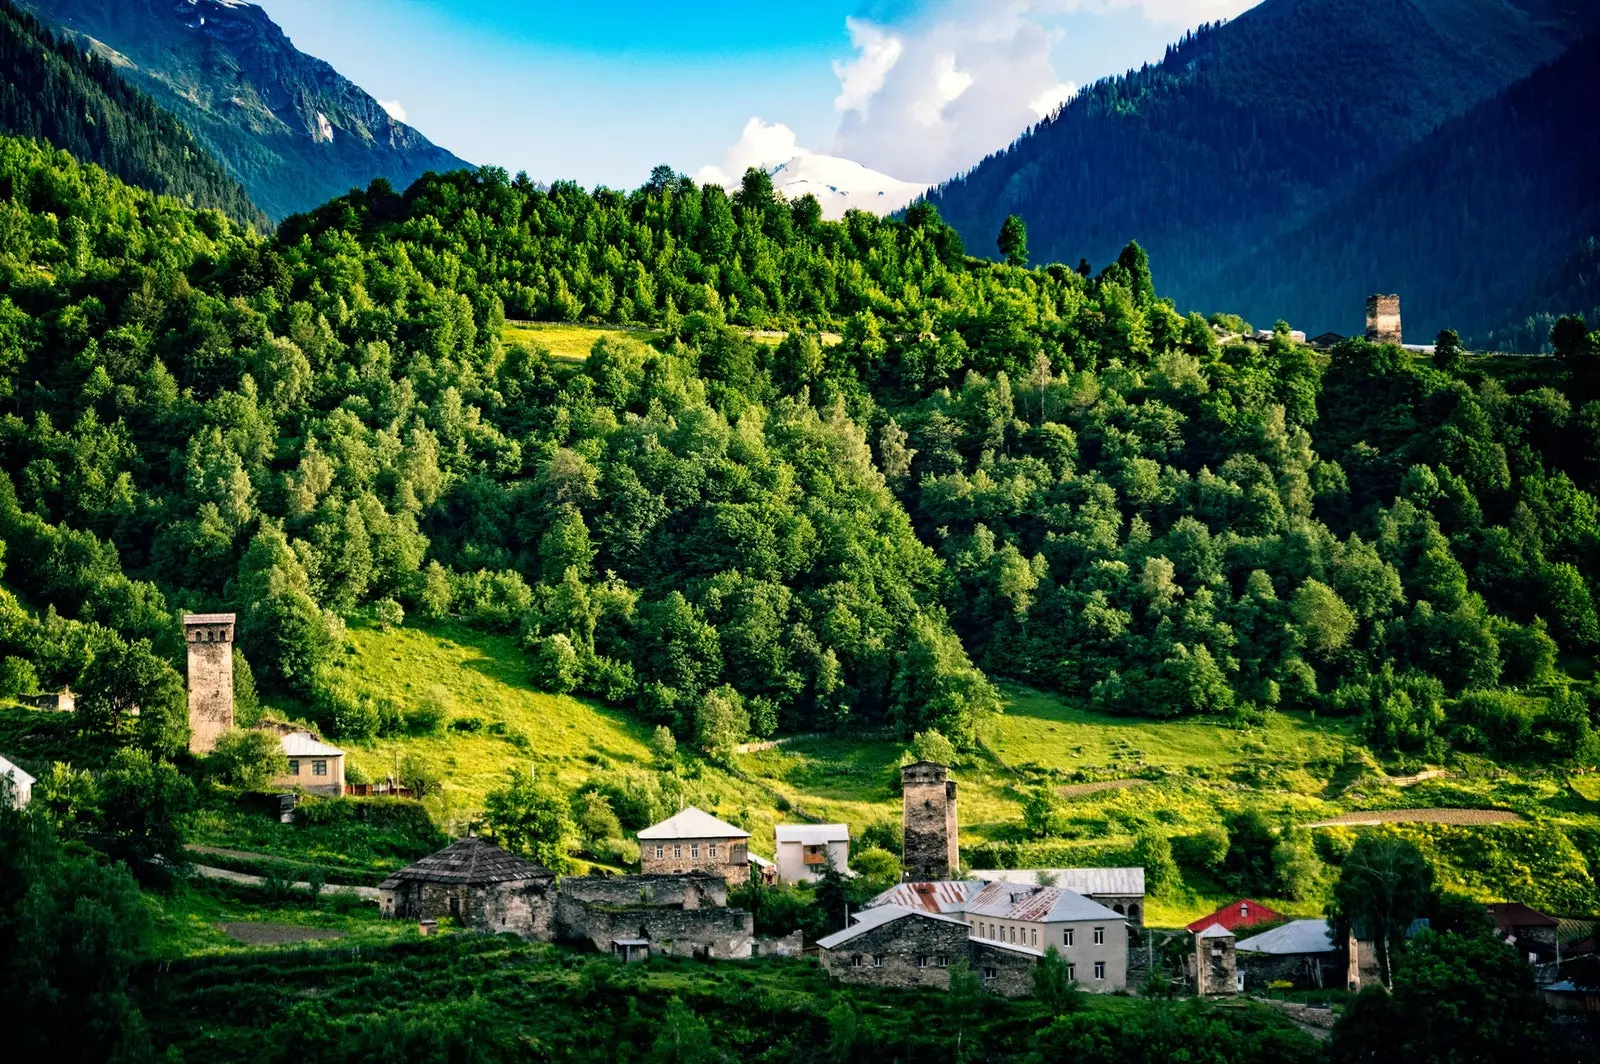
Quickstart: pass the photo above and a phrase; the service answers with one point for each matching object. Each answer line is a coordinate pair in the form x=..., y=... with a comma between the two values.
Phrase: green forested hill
x=1059, y=478
x=1481, y=225
x=78, y=102
x=1246, y=130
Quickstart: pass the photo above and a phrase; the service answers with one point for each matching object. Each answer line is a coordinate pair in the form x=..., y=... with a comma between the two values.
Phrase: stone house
x=314, y=766
x=15, y=784
x=892, y=945
x=1531, y=932
x=681, y=914
x=477, y=883
x=804, y=850
x=1119, y=889
x=63, y=701
x=1091, y=938
x=693, y=840
x=1302, y=952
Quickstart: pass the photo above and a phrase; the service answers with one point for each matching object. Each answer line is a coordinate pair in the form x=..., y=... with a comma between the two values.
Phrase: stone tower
x=930, y=850
x=210, y=639
x=1216, y=968
x=1383, y=319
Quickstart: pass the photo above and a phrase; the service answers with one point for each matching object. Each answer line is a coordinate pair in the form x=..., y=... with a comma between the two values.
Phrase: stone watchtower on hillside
x=210, y=639
x=1383, y=319
x=930, y=850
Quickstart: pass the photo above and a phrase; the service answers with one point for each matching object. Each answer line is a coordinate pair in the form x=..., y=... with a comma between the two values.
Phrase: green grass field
x=570, y=343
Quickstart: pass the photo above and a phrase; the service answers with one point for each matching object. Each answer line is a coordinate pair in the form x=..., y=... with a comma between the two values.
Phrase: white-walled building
x=17, y=782
x=804, y=850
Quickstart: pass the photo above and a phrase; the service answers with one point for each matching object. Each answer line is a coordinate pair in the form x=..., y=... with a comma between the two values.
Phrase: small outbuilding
x=806, y=850
x=476, y=883
x=1302, y=952
x=15, y=784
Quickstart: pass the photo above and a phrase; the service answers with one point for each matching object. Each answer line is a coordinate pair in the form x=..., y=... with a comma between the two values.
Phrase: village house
x=898, y=946
x=15, y=784
x=314, y=766
x=805, y=850
x=1119, y=889
x=1236, y=916
x=1301, y=952
x=477, y=883
x=1091, y=938
x=1529, y=931
x=62, y=701
x=678, y=914
x=693, y=840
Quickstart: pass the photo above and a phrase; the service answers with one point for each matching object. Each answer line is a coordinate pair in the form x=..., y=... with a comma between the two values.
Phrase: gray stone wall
x=685, y=891
x=1383, y=319
x=929, y=811
x=522, y=907
x=899, y=945
x=705, y=932
x=1129, y=905
x=210, y=683
x=1307, y=971
x=1004, y=972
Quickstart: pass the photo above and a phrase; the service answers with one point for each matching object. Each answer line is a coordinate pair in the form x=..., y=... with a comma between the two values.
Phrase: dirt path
x=1078, y=790
x=1468, y=817
x=223, y=851
x=369, y=893
x=268, y=933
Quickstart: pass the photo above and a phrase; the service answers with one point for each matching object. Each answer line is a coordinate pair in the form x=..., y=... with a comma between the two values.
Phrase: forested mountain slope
x=1471, y=225
x=1059, y=474
x=1246, y=129
x=51, y=90
x=290, y=127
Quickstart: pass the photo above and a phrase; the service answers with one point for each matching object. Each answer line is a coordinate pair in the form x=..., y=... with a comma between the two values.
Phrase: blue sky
x=600, y=92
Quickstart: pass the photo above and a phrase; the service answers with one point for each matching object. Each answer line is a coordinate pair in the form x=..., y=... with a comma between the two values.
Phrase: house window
x=922, y=960
x=1066, y=937
x=1099, y=969
x=1099, y=936
x=319, y=768
x=1013, y=935
x=294, y=766
x=1034, y=935
x=855, y=960
x=661, y=851
x=694, y=850
x=1072, y=973
x=877, y=960
x=677, y=851
x=990, y=973
x=942, y=960
x=1244, y=909
x=711, y=850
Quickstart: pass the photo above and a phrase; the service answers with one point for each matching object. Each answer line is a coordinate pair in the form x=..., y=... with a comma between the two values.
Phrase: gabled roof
x=1009, y=947
x=867, y=919
x=936, y=896
x=1512, y=914
x=1243, y=912
x=208, y=618
x=469, y=860
x=812, y=834
x=1118, y=881
x=21, y=778
x=1296, y=936
x=301, y=744
x=1215, y=931
x=692, y=823
x=1034, y=904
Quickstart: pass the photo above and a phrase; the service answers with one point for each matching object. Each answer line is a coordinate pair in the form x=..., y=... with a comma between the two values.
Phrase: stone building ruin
x=931, y=851
x=210, y=641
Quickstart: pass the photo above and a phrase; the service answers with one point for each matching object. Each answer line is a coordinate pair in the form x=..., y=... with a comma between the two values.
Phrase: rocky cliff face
x=290, y=127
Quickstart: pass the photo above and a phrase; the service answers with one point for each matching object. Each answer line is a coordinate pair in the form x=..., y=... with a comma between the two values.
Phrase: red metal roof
x=1244, y=912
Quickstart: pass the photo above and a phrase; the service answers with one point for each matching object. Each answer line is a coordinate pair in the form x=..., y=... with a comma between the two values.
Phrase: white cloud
x=396, y=112
x=862, y=77
x=760, y=145
x=1051, y=98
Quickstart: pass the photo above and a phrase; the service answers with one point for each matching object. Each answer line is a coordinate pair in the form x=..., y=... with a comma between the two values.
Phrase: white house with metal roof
x=692, y=840
x=805, y=850
x=314, y=766
x=16, y=784
x=1091, y=938
x=1119, y=889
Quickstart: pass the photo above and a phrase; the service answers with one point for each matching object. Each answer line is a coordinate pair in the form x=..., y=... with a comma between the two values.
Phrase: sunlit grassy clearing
x=570, y=343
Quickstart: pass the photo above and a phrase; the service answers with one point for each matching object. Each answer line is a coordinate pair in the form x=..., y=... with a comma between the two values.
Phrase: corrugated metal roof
x=468, y=860
x=22, y=778
x=1035, y=904
x=812, y=834
x=867, y=919
x=1296, y=936
x=692, y=823
x=1215, y=931
x=301, y=744
x=1122, y=882
x=939, y=896
x=1245, y=912
x=1009, y=947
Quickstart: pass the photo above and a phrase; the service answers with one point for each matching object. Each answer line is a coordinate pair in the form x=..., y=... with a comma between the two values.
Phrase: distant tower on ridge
x=930, y=850
x=1383, y=319
x=210, y=639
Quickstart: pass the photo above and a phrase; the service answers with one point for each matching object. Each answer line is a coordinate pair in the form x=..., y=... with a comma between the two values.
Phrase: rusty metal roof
x=938, y=896
x=1034, y=904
